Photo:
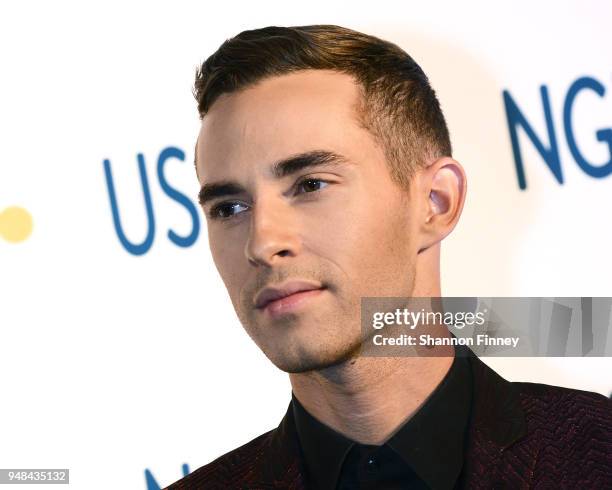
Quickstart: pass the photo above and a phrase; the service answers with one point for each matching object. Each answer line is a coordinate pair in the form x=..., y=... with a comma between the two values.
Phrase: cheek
x=368, y=240
x=228, y=256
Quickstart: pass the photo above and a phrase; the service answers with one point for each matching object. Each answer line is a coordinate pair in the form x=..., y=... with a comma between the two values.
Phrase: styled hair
x=397, y=104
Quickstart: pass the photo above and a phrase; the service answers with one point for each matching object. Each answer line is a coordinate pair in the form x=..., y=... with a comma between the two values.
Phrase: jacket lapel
x=282, y=465
x=497, y=421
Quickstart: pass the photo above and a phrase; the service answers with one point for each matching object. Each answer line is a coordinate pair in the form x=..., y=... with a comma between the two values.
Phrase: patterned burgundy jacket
x=521, y=435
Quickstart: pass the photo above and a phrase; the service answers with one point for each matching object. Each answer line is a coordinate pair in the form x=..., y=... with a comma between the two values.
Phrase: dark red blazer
x=521, y=435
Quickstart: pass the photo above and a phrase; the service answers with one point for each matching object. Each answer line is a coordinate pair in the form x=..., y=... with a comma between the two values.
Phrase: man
x=327, y=177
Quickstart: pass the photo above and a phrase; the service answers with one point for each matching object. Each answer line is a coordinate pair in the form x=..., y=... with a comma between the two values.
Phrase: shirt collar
x=431, y=441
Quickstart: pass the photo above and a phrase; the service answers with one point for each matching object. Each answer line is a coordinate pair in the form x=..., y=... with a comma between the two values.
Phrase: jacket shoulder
x=229, y=470
x=552, y=405
x=569, y=435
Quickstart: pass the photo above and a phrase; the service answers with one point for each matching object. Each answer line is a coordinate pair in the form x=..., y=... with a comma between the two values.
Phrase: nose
x=273, y=235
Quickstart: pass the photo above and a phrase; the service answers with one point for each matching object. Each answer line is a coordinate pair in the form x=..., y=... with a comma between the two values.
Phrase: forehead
x=280, y=116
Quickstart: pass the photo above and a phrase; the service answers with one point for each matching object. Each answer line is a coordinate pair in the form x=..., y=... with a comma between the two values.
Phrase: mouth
x=290, y=303
x=288, y=298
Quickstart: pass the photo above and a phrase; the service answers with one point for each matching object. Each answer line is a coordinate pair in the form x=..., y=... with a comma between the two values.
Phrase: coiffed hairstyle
x=397, y=104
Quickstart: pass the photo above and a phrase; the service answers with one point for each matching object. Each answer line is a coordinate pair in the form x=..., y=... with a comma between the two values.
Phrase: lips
x=269, y=294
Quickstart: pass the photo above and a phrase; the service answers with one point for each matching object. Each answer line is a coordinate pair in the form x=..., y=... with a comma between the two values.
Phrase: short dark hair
x=397, y=104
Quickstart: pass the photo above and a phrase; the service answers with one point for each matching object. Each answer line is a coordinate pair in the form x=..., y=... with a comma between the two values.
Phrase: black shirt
x=426, y=452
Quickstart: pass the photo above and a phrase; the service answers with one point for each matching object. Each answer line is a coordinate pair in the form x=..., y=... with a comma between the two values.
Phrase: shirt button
x=371, y=464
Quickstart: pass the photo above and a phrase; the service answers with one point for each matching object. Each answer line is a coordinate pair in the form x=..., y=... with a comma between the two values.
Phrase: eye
x=226, y=210
x=311, y=185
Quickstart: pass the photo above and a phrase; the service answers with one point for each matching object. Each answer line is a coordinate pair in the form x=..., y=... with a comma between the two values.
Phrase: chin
x=302, y=360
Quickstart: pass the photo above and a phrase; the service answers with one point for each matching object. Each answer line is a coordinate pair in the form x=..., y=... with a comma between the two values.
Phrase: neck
x=367, y=399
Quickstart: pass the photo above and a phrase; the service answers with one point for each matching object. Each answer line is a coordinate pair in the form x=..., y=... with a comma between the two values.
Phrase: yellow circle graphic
x=15, y=224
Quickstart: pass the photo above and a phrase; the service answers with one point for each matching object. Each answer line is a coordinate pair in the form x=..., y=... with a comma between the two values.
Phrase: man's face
x=331, y=221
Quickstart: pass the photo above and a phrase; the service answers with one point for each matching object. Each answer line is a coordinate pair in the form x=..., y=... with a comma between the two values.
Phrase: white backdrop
x=114, y=365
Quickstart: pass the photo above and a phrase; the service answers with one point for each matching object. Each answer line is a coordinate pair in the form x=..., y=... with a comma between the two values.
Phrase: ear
x=443, y=186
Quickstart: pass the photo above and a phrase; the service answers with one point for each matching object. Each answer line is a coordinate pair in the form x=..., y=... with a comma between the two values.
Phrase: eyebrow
x=282, y=168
